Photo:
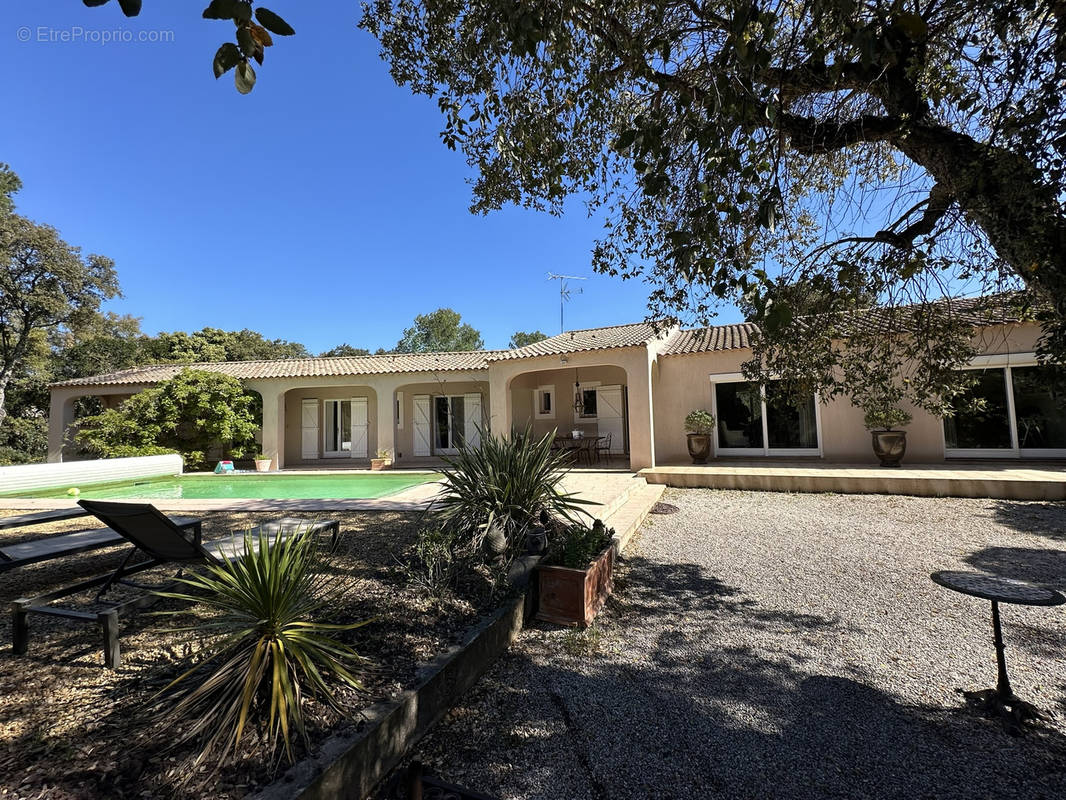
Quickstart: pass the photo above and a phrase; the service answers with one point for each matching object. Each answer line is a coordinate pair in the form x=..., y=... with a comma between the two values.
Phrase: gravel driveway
x=772, y=645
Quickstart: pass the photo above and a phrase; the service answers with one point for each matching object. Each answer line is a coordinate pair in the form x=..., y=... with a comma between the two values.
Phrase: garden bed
x=71, y=729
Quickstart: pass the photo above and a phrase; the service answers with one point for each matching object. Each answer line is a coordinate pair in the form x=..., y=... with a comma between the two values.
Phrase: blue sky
x=322, y=208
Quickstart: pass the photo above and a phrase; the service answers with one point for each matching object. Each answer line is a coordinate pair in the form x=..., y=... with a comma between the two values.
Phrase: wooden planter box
x=574, y=596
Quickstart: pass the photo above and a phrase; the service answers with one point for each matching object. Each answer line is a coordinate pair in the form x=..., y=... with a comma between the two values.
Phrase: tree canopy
x=213, y=344
x=440, y=330
x=202, y=415
x=521, y=338
x=45, y=284
x=344, y=350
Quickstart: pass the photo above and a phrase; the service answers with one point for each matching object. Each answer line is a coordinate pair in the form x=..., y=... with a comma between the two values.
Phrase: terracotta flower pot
x=699, y=447
x=575, y=596
x=378, y=464
x=262, y=464
x=889, y=446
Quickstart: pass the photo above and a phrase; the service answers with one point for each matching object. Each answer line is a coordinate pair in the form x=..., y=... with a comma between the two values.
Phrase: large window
x=754, y=420
x=1010, y=411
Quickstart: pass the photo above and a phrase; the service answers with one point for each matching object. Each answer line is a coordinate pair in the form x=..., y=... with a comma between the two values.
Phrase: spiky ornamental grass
x=272, y=652
x=504, y=483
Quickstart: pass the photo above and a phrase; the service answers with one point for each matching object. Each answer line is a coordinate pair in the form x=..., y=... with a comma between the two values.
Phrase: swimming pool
x=252, y=486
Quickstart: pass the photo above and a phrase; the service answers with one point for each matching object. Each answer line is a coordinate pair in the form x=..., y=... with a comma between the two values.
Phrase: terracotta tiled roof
x=711, y=339
x=633, y=335
x=300, y=367
x=1000, y=309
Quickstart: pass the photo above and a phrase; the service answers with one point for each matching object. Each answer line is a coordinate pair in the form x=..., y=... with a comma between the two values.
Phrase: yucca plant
x=270, y=654
x=501, y=486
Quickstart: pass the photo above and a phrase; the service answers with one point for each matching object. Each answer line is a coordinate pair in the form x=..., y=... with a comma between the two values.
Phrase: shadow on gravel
x=652, y=588
x=664, y=709
x=1040, y=519
x=734, y=723
x=1034, y=565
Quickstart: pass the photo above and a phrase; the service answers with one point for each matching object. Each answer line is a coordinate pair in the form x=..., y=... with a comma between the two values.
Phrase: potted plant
x=889, y=444
x=700, y=425
x=262, y=463
x=576, y=577
x=382, y=459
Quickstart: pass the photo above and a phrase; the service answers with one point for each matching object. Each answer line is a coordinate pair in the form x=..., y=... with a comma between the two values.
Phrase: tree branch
x=936, y=205
x=812, y=137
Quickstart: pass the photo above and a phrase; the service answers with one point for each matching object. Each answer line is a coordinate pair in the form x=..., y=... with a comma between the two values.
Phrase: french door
x=344, y=429
x=443, y=423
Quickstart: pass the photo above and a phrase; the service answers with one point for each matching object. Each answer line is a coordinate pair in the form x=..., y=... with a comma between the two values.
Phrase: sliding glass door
x=1010, y=412
x=763, y=420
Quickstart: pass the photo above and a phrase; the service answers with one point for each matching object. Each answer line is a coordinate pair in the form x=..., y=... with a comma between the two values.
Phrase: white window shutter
x=309, y=429
x=472, y=422
x=423, y=439
x=359, y=427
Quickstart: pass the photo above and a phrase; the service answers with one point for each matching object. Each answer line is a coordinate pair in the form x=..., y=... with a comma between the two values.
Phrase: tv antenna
x=564, y=292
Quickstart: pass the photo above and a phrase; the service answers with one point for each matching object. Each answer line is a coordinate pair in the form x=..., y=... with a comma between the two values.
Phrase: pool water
x=252, y=487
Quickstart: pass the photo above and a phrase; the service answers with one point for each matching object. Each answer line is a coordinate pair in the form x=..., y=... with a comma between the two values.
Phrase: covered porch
x=596, y=403
x=341, y=423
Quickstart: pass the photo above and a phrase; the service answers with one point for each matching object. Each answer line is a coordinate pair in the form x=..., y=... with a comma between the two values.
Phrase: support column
x=641, y=417
x=273, y=425
x=499, y=384
x=386, y=415
x=60, y=418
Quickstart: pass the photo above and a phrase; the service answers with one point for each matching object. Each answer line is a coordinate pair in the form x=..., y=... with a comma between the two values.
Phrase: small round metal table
x=1001, y=700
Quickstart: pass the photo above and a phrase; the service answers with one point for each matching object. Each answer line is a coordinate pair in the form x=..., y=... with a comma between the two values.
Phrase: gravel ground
x=71, y=729
x=771, y=645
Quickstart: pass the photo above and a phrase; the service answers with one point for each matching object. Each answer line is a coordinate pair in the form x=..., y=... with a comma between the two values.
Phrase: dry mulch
x=71, y=729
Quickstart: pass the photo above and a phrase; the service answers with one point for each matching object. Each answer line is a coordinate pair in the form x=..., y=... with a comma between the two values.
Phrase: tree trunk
x=1004, y=194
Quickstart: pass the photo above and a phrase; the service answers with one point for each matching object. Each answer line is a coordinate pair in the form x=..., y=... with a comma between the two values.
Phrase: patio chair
x=603, y=445
x=163, y=540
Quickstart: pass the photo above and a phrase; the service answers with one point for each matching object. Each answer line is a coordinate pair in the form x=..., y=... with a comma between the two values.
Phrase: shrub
x=580, y=544
x=499, y=488
x=885, y=418
x=700, y=422
x=196, y=413
x=272, y=652
x=434, y=562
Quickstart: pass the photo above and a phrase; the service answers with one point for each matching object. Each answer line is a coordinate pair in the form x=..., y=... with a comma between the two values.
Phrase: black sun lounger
x=162, y=540
x=58, y=545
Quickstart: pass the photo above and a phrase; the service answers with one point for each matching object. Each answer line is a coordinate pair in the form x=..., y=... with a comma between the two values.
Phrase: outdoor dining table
x=1000, y=700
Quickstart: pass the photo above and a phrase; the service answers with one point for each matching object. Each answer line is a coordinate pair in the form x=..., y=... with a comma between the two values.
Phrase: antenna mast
x=565, y=292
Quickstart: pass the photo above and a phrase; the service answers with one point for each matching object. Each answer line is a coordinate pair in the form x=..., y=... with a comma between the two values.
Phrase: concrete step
x=627, y=517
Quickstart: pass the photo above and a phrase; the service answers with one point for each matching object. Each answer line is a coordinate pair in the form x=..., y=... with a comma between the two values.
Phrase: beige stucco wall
x=683, y=383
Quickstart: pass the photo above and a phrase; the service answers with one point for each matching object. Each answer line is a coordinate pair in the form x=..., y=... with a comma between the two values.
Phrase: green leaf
x=226, y=58
x=244, y=77
x=273, y=23
x=246, y=41
x=224, y=9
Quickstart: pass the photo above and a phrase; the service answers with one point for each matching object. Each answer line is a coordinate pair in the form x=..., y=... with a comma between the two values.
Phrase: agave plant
x=500, y=486
x=269, y=654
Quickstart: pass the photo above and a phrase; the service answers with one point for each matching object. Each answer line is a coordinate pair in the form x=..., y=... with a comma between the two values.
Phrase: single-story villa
x=634, y=383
